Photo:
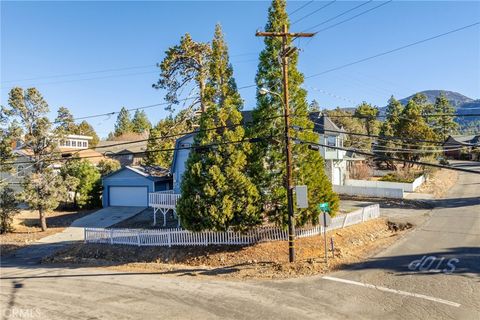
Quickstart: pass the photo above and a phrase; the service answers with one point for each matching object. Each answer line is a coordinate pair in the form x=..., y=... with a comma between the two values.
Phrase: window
x=67, y=143
x=74, y=143
x=331, y=141
x=85, y=144
x=20, y=171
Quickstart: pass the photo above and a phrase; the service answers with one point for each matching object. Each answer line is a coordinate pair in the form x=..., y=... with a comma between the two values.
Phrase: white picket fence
x=180, y=237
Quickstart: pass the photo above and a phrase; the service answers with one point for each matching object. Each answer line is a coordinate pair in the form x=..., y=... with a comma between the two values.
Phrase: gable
x=124, y=173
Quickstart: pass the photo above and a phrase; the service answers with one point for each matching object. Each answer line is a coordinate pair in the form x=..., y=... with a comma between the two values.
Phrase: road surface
x=382, y=288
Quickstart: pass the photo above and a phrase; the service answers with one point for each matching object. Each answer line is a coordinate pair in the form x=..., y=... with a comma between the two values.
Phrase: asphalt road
x=446, y=287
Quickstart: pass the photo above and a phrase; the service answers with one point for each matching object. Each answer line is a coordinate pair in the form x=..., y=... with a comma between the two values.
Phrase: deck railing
x=163, y=199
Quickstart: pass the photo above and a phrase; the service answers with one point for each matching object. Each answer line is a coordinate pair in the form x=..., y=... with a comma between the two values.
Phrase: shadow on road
x=455, y=202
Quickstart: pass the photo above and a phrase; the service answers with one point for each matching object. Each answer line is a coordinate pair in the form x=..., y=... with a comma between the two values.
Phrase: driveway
x=383, y=287
x=102, y=218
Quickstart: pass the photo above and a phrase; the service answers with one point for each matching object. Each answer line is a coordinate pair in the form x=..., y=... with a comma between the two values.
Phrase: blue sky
x=55, y=41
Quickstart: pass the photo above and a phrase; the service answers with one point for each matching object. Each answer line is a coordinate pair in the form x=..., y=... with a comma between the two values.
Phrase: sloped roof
x=323, y=124
x=150, y=172
x=109, y=146
x=468, y=140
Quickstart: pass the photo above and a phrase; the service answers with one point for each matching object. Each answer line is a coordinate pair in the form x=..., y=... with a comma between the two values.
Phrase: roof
x=150, y=172
x=323, y=124
x=109, y=146
x=471, y=139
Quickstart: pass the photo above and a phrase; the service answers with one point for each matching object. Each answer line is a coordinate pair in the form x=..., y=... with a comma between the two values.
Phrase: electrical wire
x=392, y=50
x=389, y=158
x=300, y=8
x=313, y=12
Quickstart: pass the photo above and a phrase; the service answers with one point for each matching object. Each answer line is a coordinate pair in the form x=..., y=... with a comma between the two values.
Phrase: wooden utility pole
x=286, y=51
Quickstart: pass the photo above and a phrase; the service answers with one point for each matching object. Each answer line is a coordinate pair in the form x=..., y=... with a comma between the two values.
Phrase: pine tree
x=124, y=123
x=31, y=110
x=216, y=191
x=84, y=128
x=314, y=106
x=443, y=125
x=140, y=122
x=65, y=122
x=389, y=128
x=268, y=170
x=412, y=125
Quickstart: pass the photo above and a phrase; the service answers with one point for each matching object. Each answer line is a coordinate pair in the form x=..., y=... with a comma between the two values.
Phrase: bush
x=8, y=208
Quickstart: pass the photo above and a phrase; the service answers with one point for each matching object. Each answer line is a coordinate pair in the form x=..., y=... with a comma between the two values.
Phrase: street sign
x=324, y=207
x=302, y=196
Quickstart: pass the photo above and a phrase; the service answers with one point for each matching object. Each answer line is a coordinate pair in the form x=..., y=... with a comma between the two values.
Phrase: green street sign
x=324, y=207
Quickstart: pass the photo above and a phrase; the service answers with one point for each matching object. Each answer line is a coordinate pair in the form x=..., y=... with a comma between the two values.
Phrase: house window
x=85, y=144
x=67, y=143
x=331, y=141
x=74, y=143
x=20, y=171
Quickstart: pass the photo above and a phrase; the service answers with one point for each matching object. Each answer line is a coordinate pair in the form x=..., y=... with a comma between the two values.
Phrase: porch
x=163, y=201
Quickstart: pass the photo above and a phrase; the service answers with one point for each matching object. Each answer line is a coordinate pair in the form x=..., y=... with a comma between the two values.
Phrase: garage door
x=128, y=196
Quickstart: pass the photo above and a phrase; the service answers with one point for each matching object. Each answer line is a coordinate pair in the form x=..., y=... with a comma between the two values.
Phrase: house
x=130, y=186
x=128, y=153
x=454, y=146
x=336, y=161
x=68, y=146
x=331, y=135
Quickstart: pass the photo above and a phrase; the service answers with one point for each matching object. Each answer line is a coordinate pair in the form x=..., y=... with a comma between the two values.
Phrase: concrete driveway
x=102, y=218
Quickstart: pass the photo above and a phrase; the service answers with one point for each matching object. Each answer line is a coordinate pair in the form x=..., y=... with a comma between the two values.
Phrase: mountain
x=462, y=104
x=455, y=98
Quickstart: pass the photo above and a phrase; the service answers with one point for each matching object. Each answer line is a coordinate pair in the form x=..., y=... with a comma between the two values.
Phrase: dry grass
x=439, y=182
x=264, y=260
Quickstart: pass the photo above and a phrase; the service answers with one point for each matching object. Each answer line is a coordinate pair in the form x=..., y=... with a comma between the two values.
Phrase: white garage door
x=129, y=196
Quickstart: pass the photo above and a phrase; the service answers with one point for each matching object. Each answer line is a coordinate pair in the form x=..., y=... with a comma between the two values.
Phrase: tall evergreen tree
x=389, y=127
x=443, y=125
x=412, y=125
x=64, y=121
x=216, y=191
x=84, y=128
x=124, y=123
x=268, y=159
x=140, y=122
x=42, y=190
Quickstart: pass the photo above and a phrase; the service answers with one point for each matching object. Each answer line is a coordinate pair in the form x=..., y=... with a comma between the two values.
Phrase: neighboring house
x=453, y=146
x=126, y=152
x=331, y=135
x=131, y=185
x=336, y=161
x=69, y=146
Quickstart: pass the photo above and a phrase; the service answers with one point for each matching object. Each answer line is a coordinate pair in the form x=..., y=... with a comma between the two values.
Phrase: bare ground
x=27, y=228
x=268, y=260
x=439, y=182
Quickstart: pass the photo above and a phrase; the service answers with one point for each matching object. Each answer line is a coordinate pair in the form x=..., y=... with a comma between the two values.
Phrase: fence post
x=345, y=221
x=111, y=236
x=169, y=239
x=138, y=239
x=363, y=214
x=84, y=235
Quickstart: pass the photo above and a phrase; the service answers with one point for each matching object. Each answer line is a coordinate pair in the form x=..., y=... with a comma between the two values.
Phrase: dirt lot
x=267, y=260
x=439, y=182
x=27, y=228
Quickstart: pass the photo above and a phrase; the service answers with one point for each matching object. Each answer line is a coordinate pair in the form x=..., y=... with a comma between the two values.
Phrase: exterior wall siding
x=125, y=178
x=180, y=163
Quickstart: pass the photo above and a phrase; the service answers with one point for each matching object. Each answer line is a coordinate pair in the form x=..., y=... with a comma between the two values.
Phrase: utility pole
x=286, y=51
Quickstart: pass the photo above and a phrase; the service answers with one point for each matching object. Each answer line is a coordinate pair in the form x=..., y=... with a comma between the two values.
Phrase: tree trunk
x=43, y=219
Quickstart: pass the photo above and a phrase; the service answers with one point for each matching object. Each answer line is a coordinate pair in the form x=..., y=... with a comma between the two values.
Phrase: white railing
x=163, y=199
x=180, y=237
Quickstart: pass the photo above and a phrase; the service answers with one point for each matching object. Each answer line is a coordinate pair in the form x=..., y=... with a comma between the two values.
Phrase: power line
x=298, y=9
x=313, y=12
x=388, y=158
x=338, y=15
x=353, y=17
x=199, y=148
x=391, y=51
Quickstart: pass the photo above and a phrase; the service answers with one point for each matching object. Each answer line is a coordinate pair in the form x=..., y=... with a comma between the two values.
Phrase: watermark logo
x=434, y=264
x=16, y=313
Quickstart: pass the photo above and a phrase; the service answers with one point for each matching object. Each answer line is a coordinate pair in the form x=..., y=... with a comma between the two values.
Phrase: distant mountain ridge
x=455, y=98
